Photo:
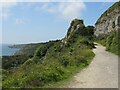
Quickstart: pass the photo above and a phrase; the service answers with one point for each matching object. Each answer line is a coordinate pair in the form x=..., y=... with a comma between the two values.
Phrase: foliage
x=111, y=42
x=27, y=49
x=52, y=61
x=9, y=62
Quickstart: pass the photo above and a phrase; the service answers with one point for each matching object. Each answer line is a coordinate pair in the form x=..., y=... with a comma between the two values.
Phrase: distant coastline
x=7, y=50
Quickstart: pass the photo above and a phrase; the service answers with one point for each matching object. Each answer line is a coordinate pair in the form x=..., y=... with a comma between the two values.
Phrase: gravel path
x=101, y=73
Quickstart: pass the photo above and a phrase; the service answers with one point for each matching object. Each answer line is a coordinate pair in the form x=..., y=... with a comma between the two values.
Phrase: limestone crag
x=109, y=20
x=76, y=26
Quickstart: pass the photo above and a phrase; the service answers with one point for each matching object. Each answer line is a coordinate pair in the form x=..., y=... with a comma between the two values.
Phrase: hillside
x=109, y=20
x=51, y=61
x=42, y=64
x=107, y=29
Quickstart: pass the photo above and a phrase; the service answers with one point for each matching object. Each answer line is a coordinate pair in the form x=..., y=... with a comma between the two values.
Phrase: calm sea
x=6, y=51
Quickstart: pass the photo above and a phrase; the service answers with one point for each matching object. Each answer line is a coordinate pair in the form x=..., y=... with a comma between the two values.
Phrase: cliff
x=109, y=20
x=76, y=29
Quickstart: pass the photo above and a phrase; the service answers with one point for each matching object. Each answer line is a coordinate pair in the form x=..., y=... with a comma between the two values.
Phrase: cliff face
x=109, y=20
x=76, y=31
x=76, y=27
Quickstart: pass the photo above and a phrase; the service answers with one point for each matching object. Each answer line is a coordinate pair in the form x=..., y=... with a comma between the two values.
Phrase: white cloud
x=48, y=7
x=5, y=6
x=66, y=10
x=71, y=10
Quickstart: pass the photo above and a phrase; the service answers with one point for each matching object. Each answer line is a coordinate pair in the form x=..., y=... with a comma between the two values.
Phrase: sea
x=6, y=51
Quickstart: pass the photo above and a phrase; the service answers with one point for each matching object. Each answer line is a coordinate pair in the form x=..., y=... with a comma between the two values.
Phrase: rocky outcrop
x=76, y=27
x=109, y=20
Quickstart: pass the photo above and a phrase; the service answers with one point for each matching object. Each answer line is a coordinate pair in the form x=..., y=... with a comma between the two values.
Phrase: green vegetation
x=27, y=49
x=111, y=42
x=9, y=62
x=51, y=61
x=42, y=65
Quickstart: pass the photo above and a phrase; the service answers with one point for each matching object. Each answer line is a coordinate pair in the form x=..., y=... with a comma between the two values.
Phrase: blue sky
x=39, y=21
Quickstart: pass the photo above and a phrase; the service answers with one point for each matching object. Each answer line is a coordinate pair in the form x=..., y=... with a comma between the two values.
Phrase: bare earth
x=101, y=73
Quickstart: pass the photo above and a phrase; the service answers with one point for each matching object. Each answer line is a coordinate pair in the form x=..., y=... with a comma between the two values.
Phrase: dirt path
x=101, y=73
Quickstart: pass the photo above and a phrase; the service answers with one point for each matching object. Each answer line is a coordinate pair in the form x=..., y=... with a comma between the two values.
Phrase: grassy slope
x=53, y=62
x=111, y=42
x=55, y=66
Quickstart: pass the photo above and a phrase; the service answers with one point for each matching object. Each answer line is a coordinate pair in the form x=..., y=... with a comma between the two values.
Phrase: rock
x=75, y=27
x=109, y=20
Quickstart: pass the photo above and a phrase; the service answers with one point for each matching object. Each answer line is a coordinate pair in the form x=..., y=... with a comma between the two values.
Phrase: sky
x=35, y=22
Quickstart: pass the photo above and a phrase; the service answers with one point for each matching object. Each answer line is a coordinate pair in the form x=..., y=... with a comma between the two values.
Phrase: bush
x=9, y=62
x=41, y=51
x=65, y=61
x=111, y=42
